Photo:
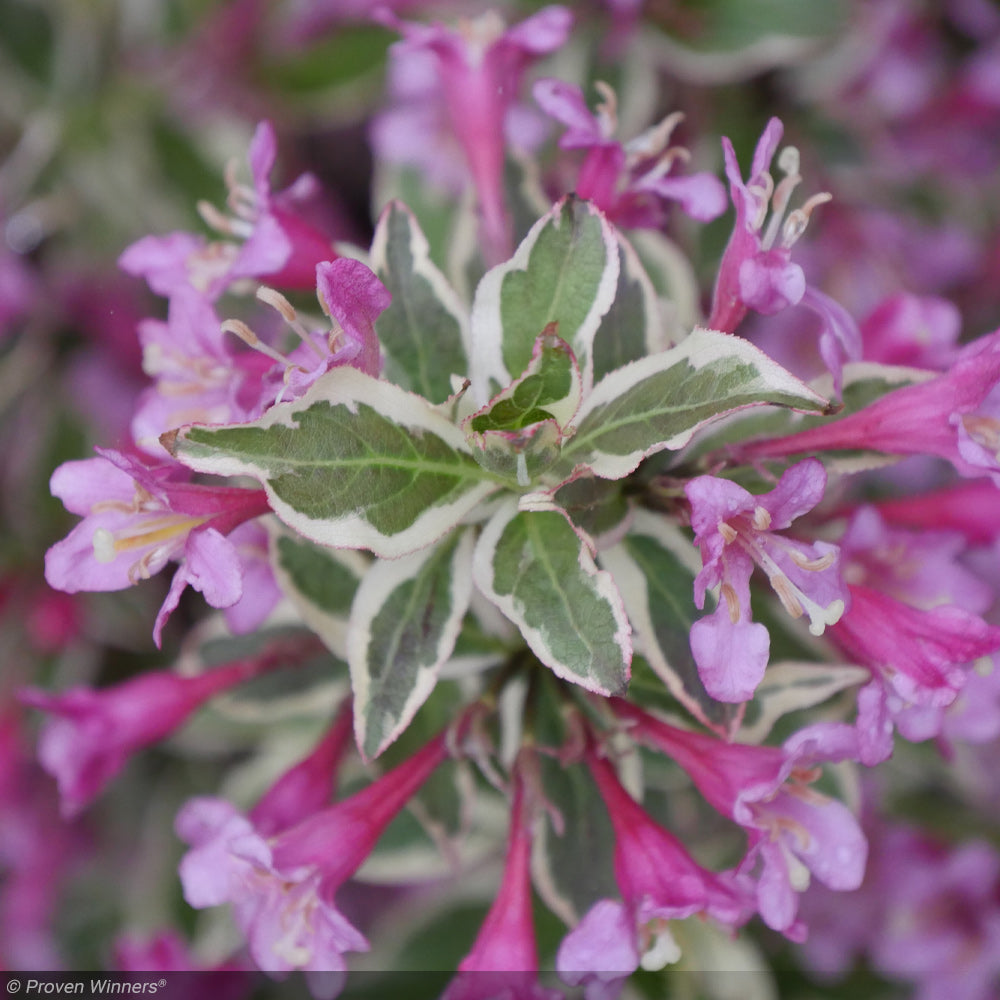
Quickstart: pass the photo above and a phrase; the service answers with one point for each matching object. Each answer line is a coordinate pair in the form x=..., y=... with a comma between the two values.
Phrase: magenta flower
x=282, y=888
x=305, y=788
x=920, y=656
x=277, y=233
x=659, y=881
x=793, y=830
x=281, y=241
x=955, y=416
x=629, y=182
x=921, y=568
x=352, y=295
x=93, y=733
x=912, y=330
x=736, y=530
x=968, y=508
x=938, y=913
x=136, y=518
x=199, y=378
x=757, y=271
x=479, y=71
x=504, y=958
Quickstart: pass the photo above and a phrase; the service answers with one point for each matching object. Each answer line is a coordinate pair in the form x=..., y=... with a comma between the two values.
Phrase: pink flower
x=504, y=958
x=757, y=271
x=793, y=830
x=93, y=733
x=955, y=416
x=199, y=378
x=282, y=887
x=912, y=330
x=920, y=656
x=629, y=182
x=659, y=881
x=279, y=239
x=969, y=508
x=736, y=530
x=136, y=518
x=479, y=71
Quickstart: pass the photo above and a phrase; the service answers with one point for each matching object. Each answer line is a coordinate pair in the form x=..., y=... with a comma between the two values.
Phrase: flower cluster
x=557, y=559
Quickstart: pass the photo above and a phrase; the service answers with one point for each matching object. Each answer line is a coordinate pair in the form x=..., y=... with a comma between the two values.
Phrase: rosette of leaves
x=497, y=465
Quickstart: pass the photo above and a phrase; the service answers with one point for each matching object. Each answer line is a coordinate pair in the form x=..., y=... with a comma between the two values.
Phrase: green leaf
x=575, y=862
x=550, y=386
x=406, y=617
x=596, y=506
x=659, y=402
x=423, y=331
x=519, y=432
x=542, y=576
x=654, y=568
x=633, y=327
x=319, y=581
x=564, y=272
x=354, y=463
x=721, y=28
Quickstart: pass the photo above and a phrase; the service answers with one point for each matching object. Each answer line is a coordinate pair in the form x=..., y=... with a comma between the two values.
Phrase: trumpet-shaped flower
x=503, y=960
x=793, y=830
x=757, y=271
x=955, y=415
x=91, y=733
x=659, y=882
x=735, y=530
x=629, y=182
x=282, y=887
x=480, y=66
x=138, y=517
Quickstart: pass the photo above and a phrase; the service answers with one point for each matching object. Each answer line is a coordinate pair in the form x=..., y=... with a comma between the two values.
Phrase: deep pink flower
x=305, y=788
x=480, y=67
x=970, y=508
x=793, y=830
x=503, y=960
x=281, y=241
x=757, y=271
x=735, y=530
x=92, y=733
x=136, y=518
x=912, y=330
x=659, y=881
x=629, y=182
x=282, y=888
x=955, y=415
x=920, y=656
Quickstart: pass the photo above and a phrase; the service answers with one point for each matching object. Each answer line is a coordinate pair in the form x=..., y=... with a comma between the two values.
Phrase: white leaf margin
x=350, y=388
x=700, y=349
x=378, y=585
x=486, y=356
x=604, y=588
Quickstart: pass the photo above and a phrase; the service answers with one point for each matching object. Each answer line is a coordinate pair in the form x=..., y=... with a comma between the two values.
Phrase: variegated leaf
x=423, y=332
x=542, y=576
x=405, y=619
x=354, y=463
x=564, y=272
x=659, y=402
